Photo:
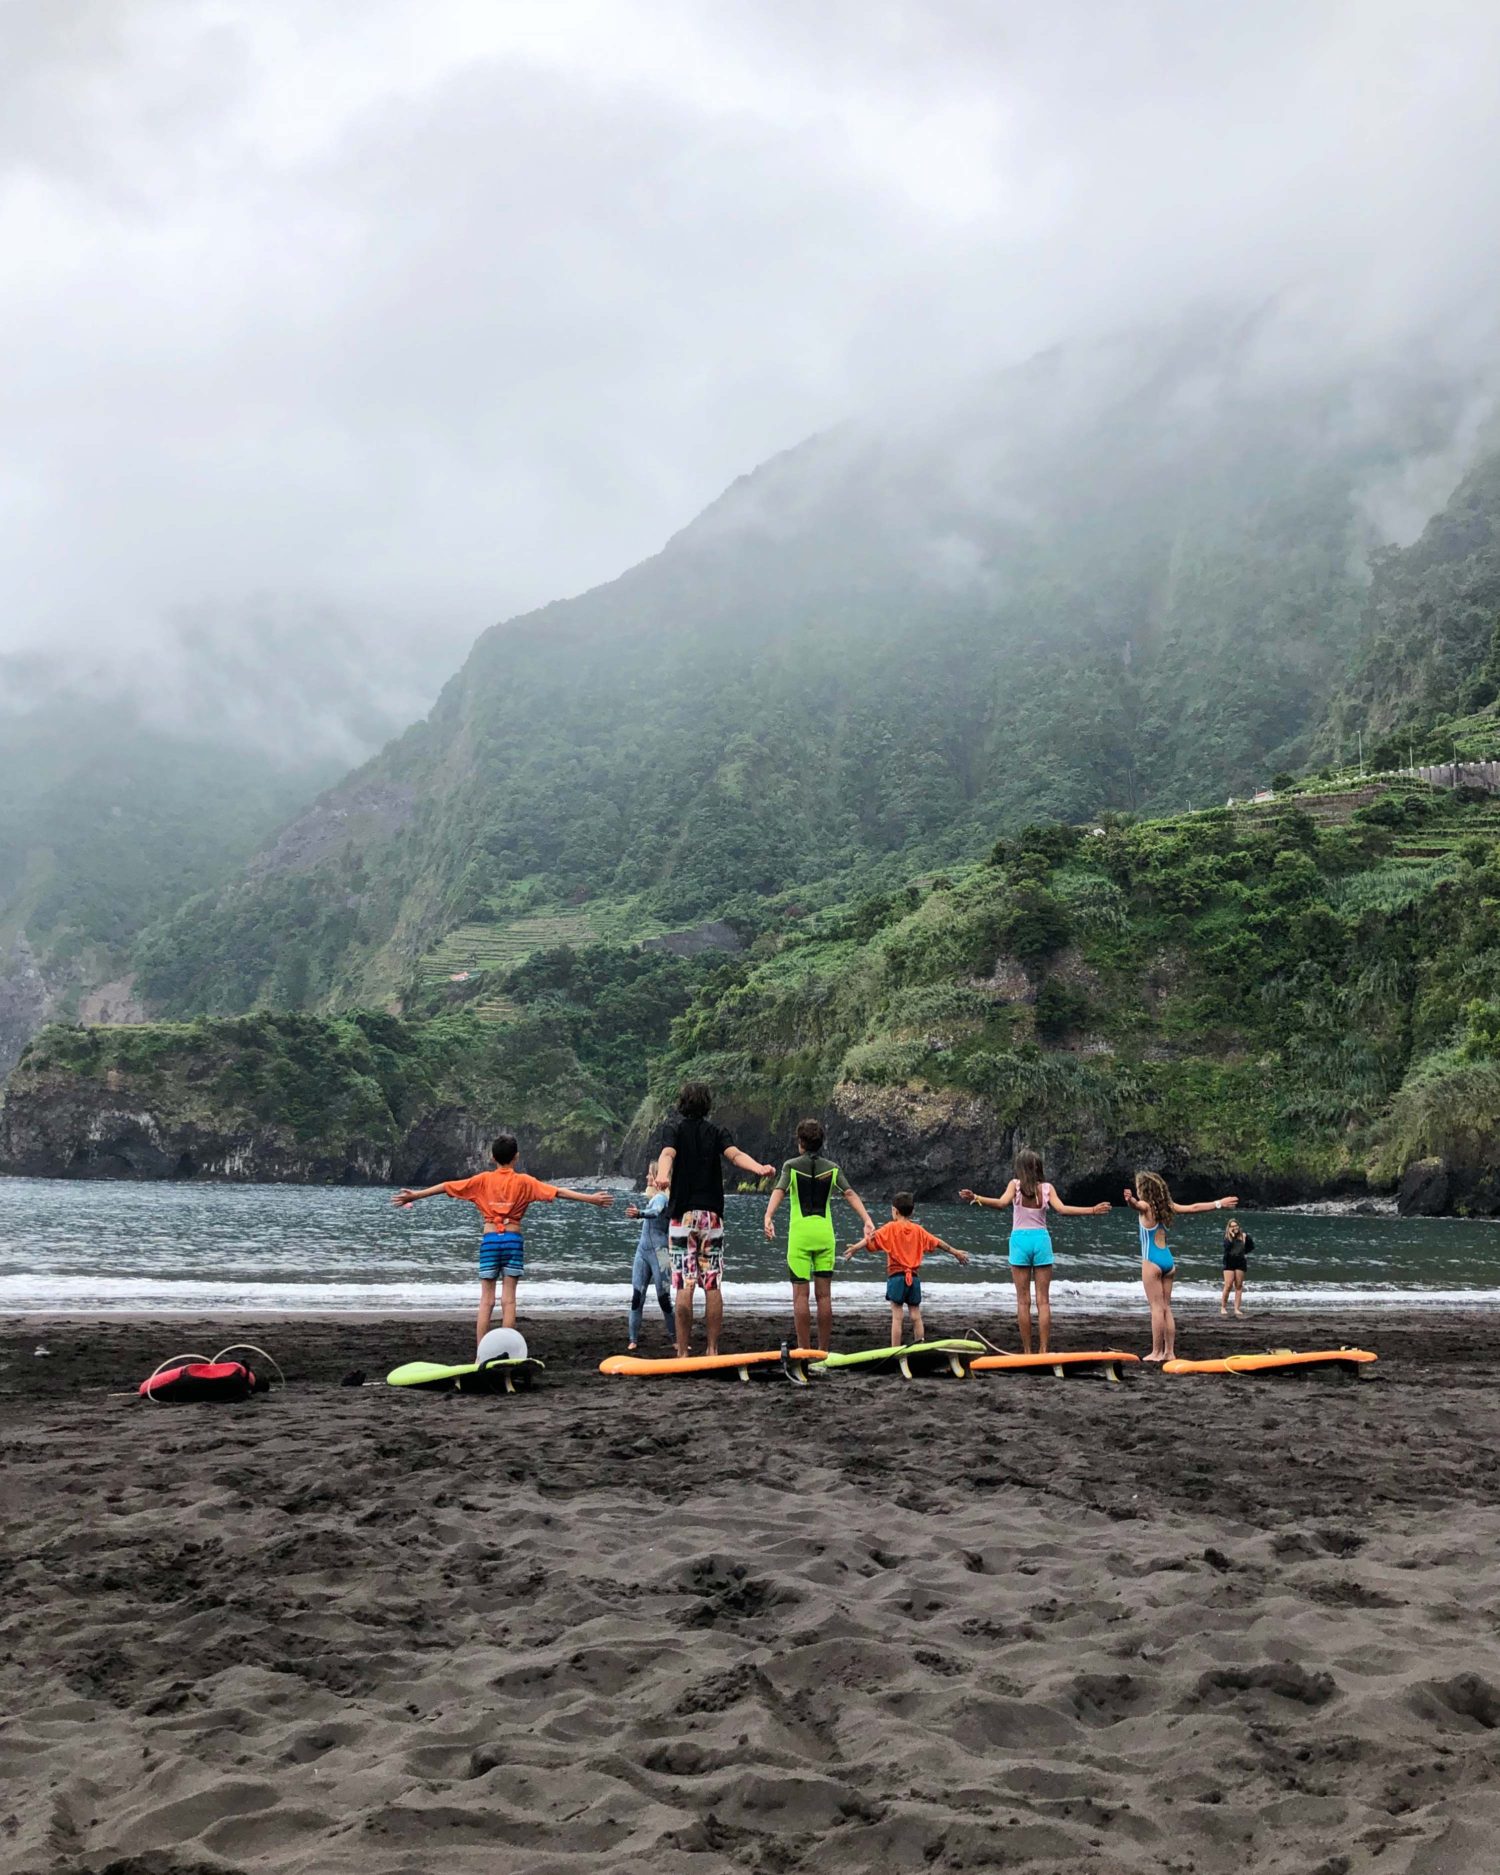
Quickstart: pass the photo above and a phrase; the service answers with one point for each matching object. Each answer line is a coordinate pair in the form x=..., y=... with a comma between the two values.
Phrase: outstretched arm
x=747, y=1164
x=772, y=1207
x=855, y=1248
x=991, y=1204
x=1077, y=1210
x=1208, y=1204
x=860, y=1212
x=1135, y=1203
x=961, y=1255
x=586, y=1197
x=407, y=1197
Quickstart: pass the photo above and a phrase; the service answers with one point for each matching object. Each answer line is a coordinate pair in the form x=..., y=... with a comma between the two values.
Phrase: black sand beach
x=1187, y=1624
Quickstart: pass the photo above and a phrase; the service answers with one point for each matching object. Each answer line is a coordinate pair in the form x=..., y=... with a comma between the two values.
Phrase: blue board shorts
x=501, y=1253
x=902, y=1288
x=1030, y=1249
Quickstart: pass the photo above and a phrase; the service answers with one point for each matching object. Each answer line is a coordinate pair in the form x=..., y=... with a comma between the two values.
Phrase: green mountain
x=106, y=825
x=1292, y=1000
x=1126, y=577
x=838, y=802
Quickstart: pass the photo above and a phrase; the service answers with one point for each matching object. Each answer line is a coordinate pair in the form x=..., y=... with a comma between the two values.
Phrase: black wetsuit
x=1236, y=1250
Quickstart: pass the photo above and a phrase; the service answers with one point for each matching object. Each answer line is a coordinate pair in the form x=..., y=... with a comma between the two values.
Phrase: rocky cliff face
x=56, y=1123
x=24, y=1002
x=279, y=1100
x=61, y=1126
x=933, y=1141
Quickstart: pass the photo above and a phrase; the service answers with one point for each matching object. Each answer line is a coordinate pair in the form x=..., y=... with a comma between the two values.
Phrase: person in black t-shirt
x=1237, y=1248
x=693, y=1152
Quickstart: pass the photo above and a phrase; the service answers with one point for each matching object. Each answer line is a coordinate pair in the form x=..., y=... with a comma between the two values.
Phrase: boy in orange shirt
x=501, y=1197
x=905, y=1243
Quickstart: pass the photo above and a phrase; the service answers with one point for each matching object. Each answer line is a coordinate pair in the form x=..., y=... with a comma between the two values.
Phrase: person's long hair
x=1151, y=1189
x=1029, y=1170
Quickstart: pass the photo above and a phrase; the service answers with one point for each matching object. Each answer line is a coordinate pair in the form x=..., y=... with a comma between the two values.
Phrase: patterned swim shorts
x=501, y=1253
x=696, y=1245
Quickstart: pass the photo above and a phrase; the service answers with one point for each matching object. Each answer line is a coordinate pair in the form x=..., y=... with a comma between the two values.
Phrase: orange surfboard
x=762, y=1363
x=1107, y=1361
x=1282, y=1358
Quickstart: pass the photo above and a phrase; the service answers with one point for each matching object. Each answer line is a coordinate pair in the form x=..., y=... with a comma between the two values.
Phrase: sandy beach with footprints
x=1192, y=1625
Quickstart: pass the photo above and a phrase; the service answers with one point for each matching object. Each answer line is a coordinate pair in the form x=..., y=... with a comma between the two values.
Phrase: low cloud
x=370, y=327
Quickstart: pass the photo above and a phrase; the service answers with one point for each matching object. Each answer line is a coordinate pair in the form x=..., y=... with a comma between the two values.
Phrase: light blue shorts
x=1030, y=1249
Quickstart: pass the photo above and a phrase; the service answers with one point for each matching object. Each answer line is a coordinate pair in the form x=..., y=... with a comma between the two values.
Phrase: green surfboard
x=921, y=1357
x=492, y=1377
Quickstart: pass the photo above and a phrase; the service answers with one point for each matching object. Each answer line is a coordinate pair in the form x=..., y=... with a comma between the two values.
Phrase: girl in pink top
x=1030, y=1198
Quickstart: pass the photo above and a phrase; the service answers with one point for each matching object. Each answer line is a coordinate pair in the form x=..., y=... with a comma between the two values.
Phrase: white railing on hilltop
x=1484, y=775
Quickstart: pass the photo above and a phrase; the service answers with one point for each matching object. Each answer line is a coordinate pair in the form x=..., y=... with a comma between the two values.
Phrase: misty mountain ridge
x=107, y=824
x=299, y=685
x=136, y=778
x=1129, y=576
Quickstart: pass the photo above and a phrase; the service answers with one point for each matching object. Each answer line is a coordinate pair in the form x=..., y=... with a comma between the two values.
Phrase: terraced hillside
x=490, y=950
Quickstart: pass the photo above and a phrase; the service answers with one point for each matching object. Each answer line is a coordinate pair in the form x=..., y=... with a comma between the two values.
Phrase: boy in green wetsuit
x=810, y=1183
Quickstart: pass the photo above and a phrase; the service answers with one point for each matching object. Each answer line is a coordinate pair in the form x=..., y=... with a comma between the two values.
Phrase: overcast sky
x=403, y=315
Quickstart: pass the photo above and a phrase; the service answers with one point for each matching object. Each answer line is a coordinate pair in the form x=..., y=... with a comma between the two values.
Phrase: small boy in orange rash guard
x=502, y=1198
x=904, y=1243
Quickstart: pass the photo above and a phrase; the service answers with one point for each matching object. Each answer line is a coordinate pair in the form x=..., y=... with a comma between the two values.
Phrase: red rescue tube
x=201, y=1380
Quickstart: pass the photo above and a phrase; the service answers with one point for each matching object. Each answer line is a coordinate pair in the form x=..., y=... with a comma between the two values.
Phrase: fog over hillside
x=332, y=338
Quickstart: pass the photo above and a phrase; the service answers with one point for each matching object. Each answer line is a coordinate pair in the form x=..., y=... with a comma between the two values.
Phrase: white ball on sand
x=501, y=1344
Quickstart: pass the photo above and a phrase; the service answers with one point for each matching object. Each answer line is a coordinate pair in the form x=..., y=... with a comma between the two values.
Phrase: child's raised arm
x=1135, y=1203
x=407, y=1197
x=1078, y=1210
x=746, y=1163
x=1006, y=1197
x=601, y=1198
x=860, y=1212
x=961, y=1255
x=1208, y=1204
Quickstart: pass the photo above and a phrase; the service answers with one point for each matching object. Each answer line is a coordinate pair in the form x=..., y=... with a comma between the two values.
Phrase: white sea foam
x=43, y=1293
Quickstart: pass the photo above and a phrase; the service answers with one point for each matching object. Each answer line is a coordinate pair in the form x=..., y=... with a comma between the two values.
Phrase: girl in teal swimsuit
x=1154, y=1211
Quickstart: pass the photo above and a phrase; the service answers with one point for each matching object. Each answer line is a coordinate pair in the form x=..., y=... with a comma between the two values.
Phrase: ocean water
x=77, y=1246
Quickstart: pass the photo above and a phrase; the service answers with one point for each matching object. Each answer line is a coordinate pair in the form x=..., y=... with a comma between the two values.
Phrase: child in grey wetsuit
x=650, y=1266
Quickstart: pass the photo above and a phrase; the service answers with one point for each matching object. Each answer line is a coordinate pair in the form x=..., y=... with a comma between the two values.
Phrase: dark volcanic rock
x=61, y=1125
x=1426, y=1189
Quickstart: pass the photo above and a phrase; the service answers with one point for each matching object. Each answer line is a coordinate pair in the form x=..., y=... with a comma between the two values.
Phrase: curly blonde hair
x=1151, y=1189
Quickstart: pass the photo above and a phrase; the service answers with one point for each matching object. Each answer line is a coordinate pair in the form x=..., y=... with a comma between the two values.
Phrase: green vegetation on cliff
x=1297, y=997
x=362, y=1096
x=1127, y=578
x=1259, y=994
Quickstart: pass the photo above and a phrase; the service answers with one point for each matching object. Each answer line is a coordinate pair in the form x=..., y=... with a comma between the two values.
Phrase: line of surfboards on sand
x=955, y=1358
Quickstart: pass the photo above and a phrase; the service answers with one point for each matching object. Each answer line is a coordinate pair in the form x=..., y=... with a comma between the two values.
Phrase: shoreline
x=983, y=1301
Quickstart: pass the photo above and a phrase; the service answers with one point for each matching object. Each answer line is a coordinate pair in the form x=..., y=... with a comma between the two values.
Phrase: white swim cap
x=501, y=1344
